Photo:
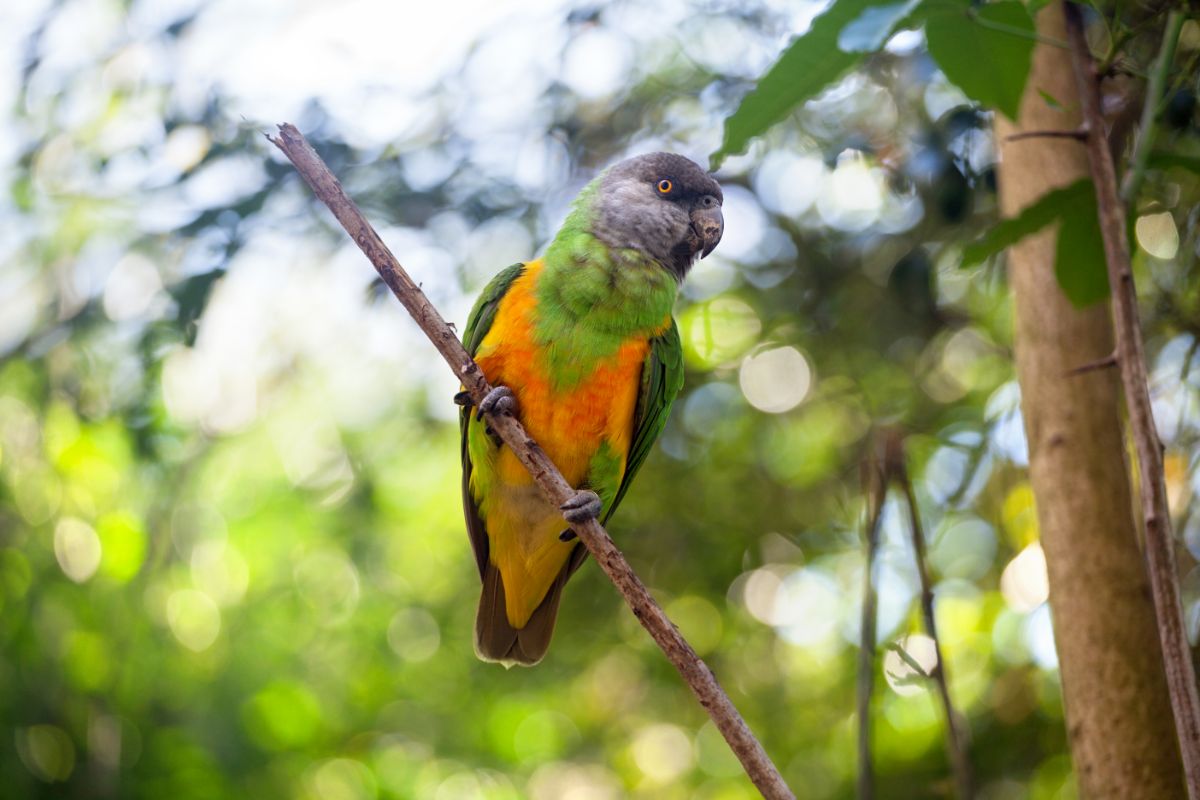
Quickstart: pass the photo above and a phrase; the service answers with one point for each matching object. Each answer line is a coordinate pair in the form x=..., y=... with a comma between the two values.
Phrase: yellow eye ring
x=665, y=186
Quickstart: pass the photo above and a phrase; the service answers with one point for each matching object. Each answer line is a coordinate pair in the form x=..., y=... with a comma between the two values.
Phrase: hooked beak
x=708, y=224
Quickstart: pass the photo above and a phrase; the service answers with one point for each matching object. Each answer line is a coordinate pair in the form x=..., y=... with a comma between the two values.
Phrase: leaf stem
x=1147, y=129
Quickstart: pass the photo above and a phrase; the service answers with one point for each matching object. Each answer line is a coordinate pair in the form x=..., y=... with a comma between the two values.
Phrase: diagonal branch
x=694, y=671
x=956, y=732
x=1131, y=358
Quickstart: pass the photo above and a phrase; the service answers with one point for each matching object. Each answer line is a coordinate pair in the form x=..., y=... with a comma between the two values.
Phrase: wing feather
x=662, y=378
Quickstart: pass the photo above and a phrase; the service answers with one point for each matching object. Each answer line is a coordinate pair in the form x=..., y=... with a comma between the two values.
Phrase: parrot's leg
x=499, y=400
x=583, y=505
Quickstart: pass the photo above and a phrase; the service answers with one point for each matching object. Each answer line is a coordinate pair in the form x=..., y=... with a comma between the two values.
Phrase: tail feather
x=497, y=640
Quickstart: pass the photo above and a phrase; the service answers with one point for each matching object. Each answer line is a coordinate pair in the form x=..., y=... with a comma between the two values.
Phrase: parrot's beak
x=709, y=224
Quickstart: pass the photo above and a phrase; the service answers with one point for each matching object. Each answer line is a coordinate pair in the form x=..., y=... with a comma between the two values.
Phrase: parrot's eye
x=665, y=186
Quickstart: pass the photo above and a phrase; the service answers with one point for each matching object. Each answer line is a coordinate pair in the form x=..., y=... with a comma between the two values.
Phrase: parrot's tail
x=497, y=640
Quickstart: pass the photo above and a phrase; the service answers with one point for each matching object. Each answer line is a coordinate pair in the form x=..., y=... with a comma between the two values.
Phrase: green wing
x=484, y=312
x=478, y=325
x=662, y=378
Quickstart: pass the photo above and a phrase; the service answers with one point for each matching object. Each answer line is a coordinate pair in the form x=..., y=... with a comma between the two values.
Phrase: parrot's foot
x=499, y=400
x=568, y=536
x=583, y=506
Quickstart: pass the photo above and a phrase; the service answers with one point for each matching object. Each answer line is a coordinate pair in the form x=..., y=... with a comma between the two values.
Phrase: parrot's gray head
x=662, y=204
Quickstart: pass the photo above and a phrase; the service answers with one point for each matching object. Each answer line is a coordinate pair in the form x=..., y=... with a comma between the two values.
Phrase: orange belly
x=571, y=424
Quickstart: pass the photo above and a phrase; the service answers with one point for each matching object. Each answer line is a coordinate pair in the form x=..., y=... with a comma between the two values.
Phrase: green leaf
x=1079, y=263
x=984, y=51
x=868, y=32
x=809, y=64
x=1079, y=254
x=1051, y=206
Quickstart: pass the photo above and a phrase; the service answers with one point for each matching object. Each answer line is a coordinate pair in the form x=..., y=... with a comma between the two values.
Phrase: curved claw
x=499, y=400
x=583, y=506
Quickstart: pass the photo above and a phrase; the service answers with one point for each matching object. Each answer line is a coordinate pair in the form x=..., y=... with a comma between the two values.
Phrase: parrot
x=581, y=346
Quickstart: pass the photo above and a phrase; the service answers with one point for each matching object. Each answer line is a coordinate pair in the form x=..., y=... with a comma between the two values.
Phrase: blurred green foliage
x=232, y=559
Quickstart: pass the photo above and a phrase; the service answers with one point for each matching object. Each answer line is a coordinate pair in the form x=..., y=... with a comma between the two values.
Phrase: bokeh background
x=232, y=559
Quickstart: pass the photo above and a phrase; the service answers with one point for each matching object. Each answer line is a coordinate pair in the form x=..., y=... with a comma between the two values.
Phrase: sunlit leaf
x=123, y=544
x=283, y=715
x=985, y=50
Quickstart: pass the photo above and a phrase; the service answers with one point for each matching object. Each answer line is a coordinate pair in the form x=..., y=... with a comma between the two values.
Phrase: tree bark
x=1117, y=708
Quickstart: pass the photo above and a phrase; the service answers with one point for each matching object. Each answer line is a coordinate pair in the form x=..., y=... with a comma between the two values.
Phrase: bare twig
x=1078, y=134
x=874, y=481
x=956, y=732
x=1150, y=111
x=694, y=671
x=1160, y=553
x=1109, y=360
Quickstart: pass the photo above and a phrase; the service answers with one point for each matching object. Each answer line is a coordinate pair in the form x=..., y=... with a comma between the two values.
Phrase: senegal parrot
x=581, y=347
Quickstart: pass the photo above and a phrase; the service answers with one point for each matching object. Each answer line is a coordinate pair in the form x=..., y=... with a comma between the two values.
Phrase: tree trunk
x=1118, y=713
